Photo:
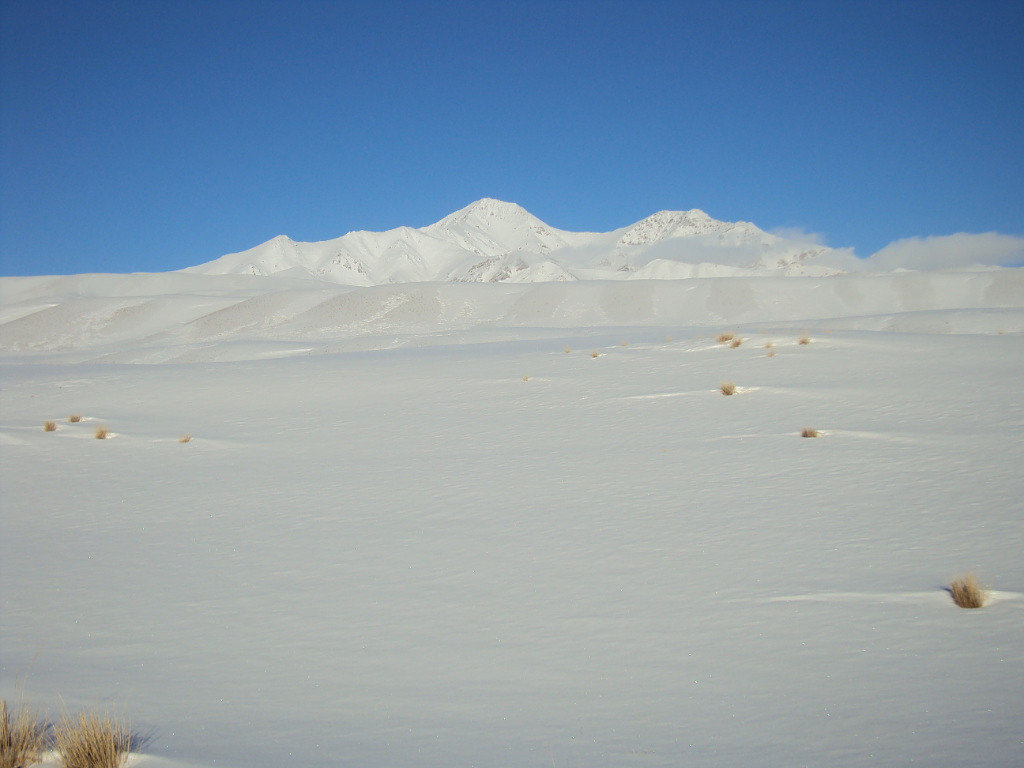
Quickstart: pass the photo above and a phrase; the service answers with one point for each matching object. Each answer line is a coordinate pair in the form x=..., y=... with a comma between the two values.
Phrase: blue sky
x=148, y=136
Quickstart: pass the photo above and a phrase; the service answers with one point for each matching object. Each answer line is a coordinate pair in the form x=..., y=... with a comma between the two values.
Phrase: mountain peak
x=488, y=207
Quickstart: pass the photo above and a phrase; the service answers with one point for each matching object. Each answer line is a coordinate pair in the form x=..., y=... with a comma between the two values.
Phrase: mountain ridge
x=492, y=240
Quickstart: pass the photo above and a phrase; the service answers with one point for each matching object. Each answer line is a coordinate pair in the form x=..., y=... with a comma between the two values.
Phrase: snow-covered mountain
x=494, y=241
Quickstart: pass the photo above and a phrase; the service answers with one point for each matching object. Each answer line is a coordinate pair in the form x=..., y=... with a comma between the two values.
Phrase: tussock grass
x=725, y=338
x=526, y=378
x=184, y=438
x=967, y=592
x=49, y=426
x=74, y=418
x=92, y=741
x=804, y=340
x=101, y=433
x=727, y=388
x=595, y=353
x=21, y=736
x=810, y=432
x=735, y=343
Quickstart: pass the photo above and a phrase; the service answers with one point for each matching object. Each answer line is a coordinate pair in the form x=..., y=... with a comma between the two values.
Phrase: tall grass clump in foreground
x=21, y=737
x=92, y=741
x=967, y=592
x=49, y=426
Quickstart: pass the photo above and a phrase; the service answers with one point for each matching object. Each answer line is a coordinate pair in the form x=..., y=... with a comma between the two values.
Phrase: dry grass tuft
x=595, y=353
x=21, y=737
x=101, y=433
x=724, y=338
x=735, y=343
x=567, y=350
x=74, y=418
x=184, y=439
x=526, y=378
x=810, y=432
x=49, y=426
x=804, y=340
x=92, y=741
x=727, y=387
x=967, y=592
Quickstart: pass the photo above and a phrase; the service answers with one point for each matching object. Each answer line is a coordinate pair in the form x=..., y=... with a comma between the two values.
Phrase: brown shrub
x=101, y=433
x=727, y=388
x=595, y=353
x=21, y=737
x=735, y=343
x=49, y=426
x=967, y=592
x=809, y=432
x=92, y=741
x=804, y=340
x=724, y=338
x=74, y=418
x=184, y=439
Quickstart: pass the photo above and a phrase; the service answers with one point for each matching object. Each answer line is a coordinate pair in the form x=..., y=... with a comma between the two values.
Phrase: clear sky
x=146, y=136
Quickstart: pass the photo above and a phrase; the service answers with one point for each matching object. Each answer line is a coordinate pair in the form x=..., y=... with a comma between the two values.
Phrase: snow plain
x=425, y=526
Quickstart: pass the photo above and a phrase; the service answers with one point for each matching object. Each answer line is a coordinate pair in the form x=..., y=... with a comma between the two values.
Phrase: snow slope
x=495, y=241
x=186, y=316
x=517, y=524
x=415, y=557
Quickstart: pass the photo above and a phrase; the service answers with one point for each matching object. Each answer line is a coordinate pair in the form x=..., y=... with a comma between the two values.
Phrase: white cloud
x=949, y=252
x=799, y=235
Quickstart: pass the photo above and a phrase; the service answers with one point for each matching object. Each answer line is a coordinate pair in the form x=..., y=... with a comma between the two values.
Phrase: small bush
x=804, y=340
x=967, y=592
x=101, y=433
x=49, y=426
x=735, y=343
x=74, y=418
x=595, y=353
x=21, y=737
x=92, y=741
x=724, y=338
x=727, y=388
x=809, y=432
x=184, y=438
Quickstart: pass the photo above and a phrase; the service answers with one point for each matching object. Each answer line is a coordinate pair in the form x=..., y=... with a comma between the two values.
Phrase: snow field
x=415, y=557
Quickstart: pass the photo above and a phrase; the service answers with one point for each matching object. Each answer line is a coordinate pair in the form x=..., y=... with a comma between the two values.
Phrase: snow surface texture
x=492, y=241
x=447, y=524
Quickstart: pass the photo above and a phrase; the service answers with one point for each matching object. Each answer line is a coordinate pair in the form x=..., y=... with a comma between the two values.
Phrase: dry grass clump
x=74, y=418
x=567, y=350
x=727, y=388
x=810, y=432
x=184, y=438
x=595, y=353
x=526, y=378
x=101, y=433
x=735, y=343
x=804, y=340
x=724, y=338
x=21, y=737
x=49, y=426
x=92, y=741
x=967, y=592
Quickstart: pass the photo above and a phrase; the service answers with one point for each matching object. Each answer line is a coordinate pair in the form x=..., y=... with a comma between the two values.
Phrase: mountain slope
x=495, y=241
